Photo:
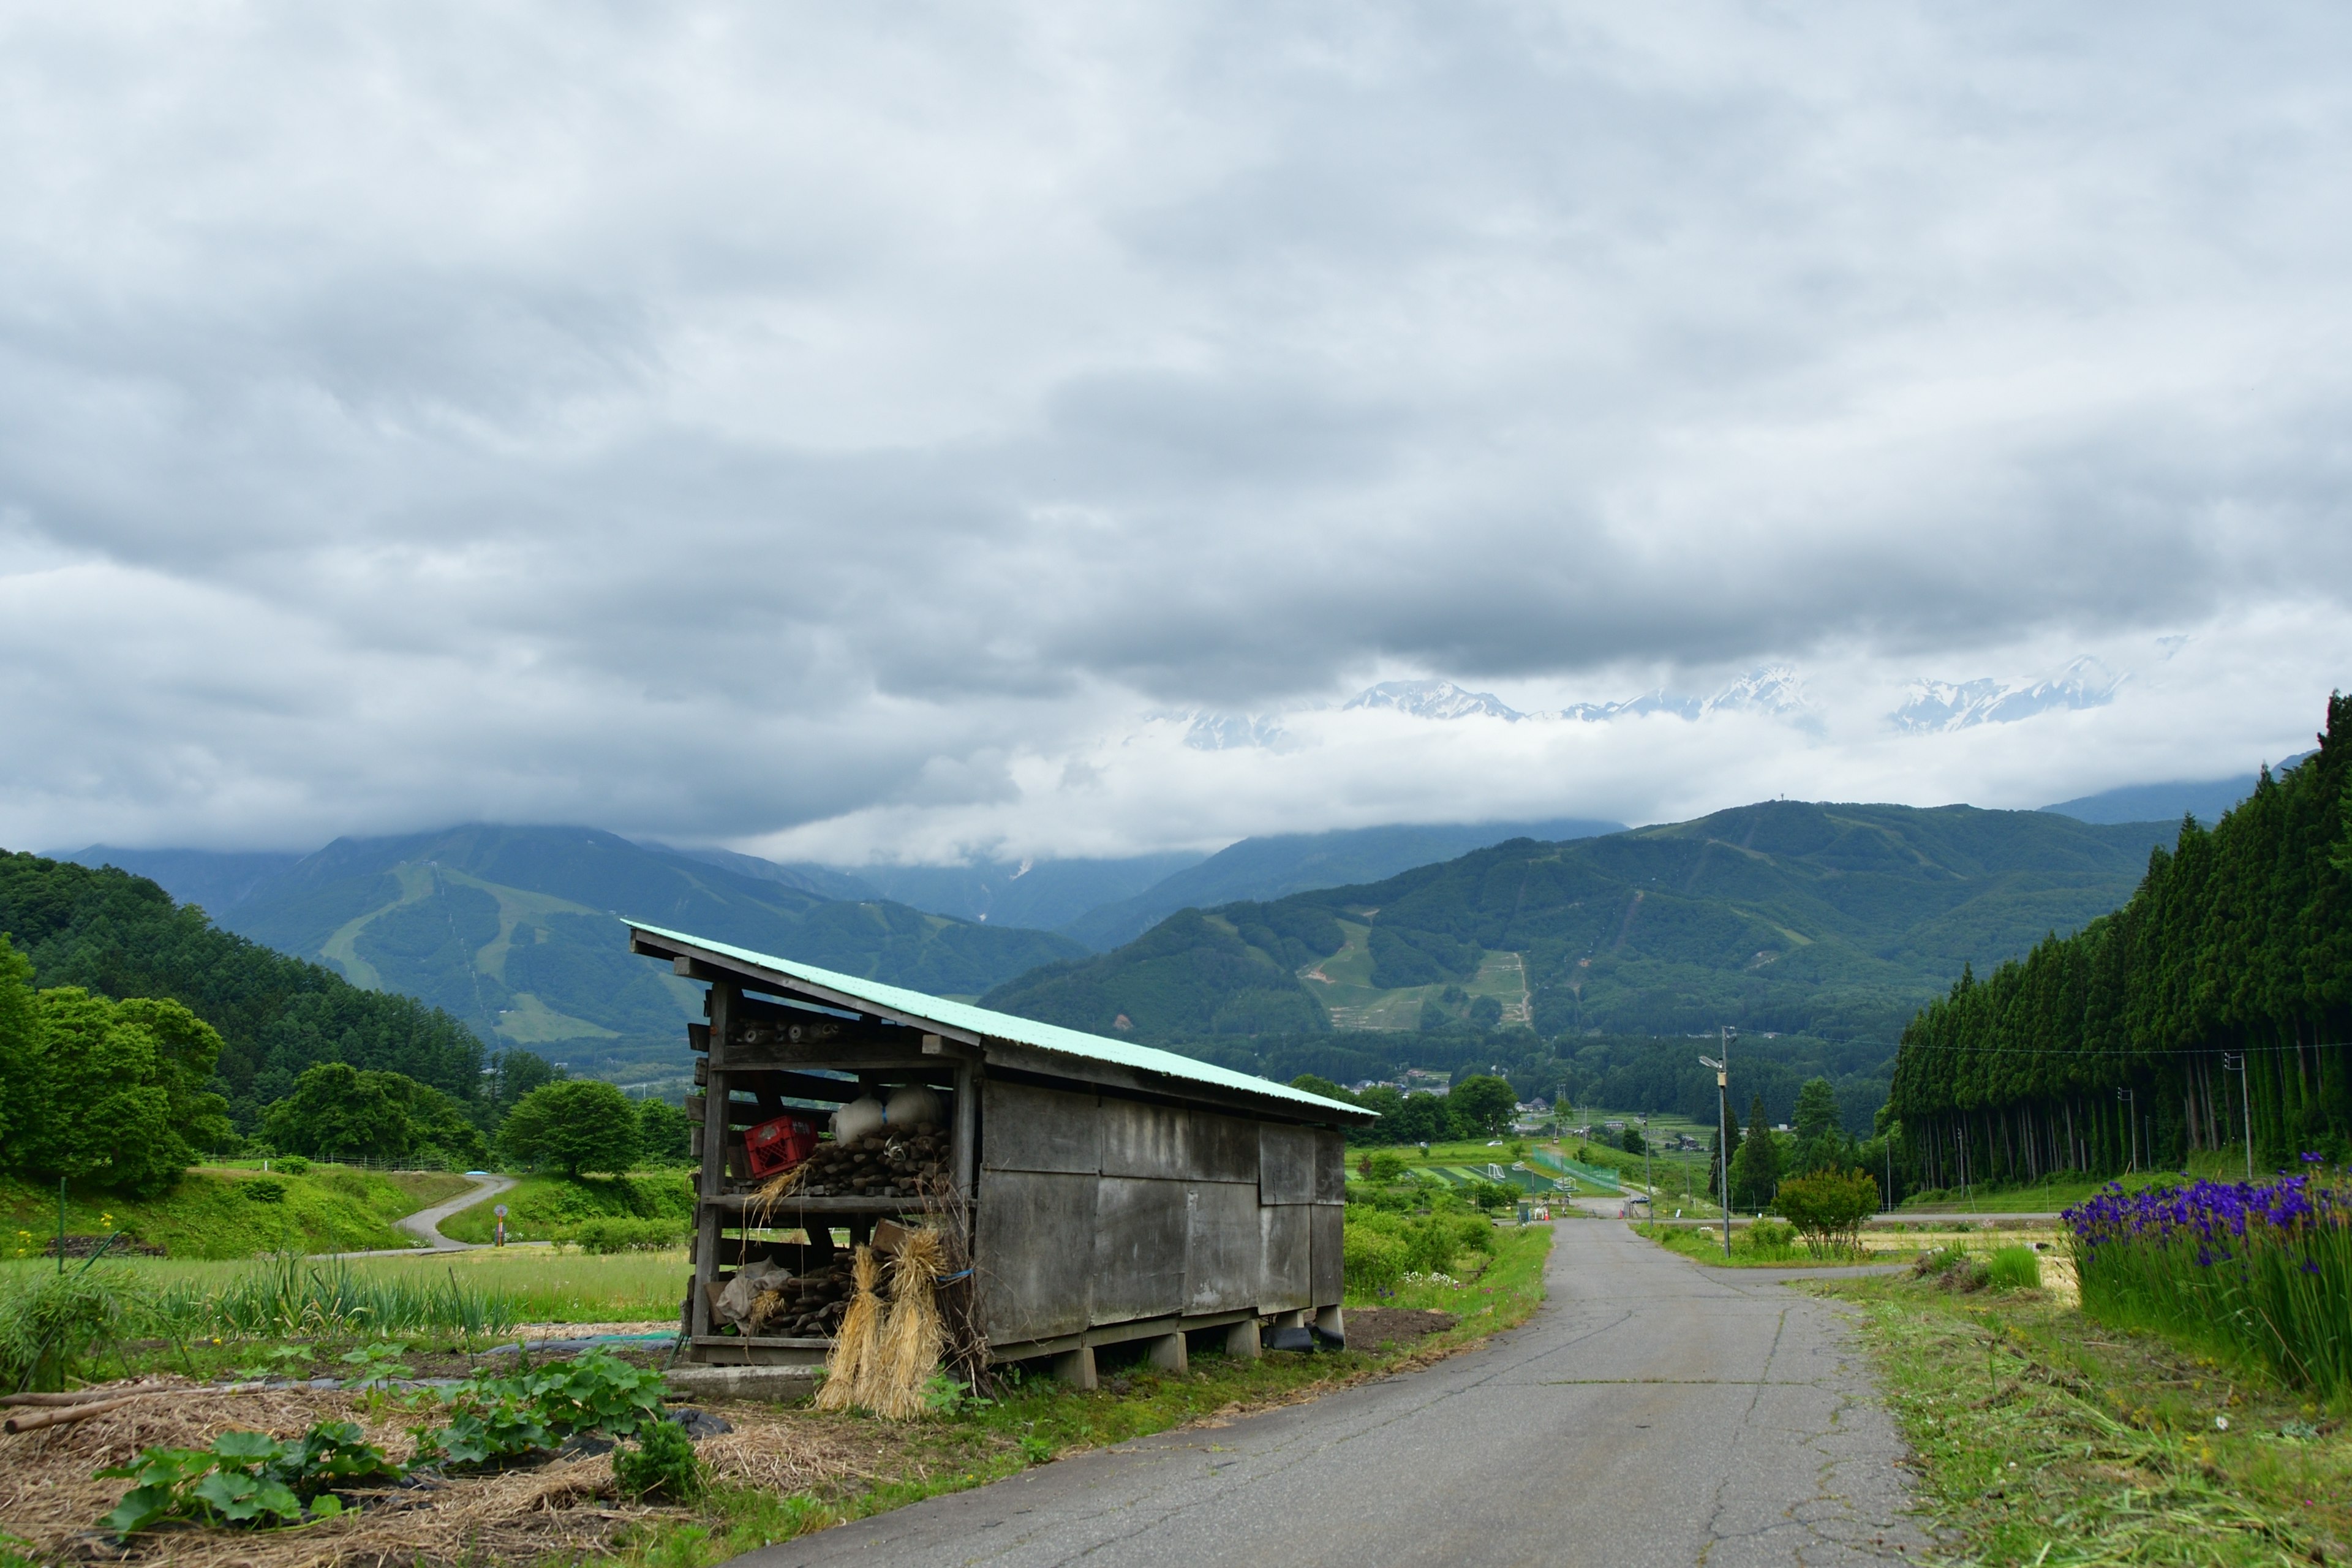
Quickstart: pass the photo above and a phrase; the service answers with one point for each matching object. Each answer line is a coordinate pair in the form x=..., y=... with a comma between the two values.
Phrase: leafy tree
x=1422, y=1119
x=1314, y=1084
x=665, y=1134
x=575, y=1124
x=116, y=1096
x=1485, y=1012
x=1756, y=1168
x=336, y=1109
x=1482, y=1106
x=20, y=1046
x=514, y=1074
x=1385, y=1103
x=1630, y=1141
x=1385, y=1166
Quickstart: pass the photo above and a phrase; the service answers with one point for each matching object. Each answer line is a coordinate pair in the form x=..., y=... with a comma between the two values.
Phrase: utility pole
x=1645, y=1168
x=2235, y=1061
x=1723, y=1130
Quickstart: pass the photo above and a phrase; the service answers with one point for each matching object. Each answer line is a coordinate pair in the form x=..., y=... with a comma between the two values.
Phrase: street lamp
x=2235, y=1061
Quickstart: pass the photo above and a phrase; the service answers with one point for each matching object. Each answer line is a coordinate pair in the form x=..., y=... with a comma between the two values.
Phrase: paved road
x=1652, y=1413
x=425, y=1223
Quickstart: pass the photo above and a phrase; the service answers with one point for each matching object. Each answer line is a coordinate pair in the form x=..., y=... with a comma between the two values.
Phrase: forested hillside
x=2120, y=1041
x=121, y=936
x=1831, y=922
x=518, y=931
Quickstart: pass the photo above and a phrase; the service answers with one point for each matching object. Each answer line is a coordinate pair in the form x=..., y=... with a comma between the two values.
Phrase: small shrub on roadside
x=1374, y=1262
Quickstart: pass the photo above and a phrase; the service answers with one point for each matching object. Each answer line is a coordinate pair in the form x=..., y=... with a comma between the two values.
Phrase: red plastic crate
x=779, y=1146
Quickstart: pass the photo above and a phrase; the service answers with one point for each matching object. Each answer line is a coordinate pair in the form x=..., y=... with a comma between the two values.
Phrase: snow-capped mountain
x=1939, y=705
x=1432, y=700
x=1774, y=690
x=1225, y=731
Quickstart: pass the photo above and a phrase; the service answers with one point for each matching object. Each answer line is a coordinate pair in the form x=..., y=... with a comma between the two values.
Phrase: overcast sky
x=881, y=432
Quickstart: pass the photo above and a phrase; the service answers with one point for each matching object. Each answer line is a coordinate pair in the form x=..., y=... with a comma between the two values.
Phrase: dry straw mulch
x=49, y=1499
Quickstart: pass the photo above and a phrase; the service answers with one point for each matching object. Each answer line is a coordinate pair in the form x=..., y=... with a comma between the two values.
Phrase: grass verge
x=539, y=1206
x=231, y=1213
x=1036, y=1420
x=2045, y=1439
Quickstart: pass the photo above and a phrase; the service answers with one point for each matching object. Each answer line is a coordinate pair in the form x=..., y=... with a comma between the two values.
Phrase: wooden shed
x=1108, y=1192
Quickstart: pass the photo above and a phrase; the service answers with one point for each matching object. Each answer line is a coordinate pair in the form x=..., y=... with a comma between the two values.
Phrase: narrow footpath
x=1652, y=1413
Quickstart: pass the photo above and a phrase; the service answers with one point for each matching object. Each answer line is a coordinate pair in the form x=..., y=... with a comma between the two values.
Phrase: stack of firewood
x=885, y=1165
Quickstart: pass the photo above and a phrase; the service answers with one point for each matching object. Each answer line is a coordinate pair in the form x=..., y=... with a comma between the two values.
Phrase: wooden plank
x=1034, y=1258
x=1331, y=1167
x=1016, y=1058
x=1286, y=1276
x=965, y=1115
x=1285, y=1163
x=1146, y=1141
x=1225, y=1148
x=1026, y=1128
x=1326, y=1242
x=781, y=1217
x=1222, y=1241
x=1139, y=1237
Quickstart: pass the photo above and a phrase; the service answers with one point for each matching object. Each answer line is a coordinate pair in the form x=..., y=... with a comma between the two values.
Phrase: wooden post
x=714, y=1152
x=1076, y=1367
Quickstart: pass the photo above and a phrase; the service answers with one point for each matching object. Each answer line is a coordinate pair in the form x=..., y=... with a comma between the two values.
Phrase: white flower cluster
x=1418, y=1278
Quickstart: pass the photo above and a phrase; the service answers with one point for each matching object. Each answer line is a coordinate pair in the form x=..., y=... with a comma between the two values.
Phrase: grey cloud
x=710, y=422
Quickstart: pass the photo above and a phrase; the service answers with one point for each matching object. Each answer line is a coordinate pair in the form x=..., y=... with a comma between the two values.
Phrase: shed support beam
x=1077, y=1368
x=1328, y=1321
x=1290, y=1320
x=1168, y=1354
x=1242, y=1343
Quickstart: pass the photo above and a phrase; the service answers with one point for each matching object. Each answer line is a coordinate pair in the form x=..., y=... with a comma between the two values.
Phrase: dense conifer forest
x=2220, y=992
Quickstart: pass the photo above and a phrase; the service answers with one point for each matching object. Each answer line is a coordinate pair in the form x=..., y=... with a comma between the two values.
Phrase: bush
x=1767, y=1238
x=1374, y=1262
x=1384, y=1165
x=261, y=1190
x=1828, y=1207
x=663, y=1464
x=293, y=1166
x=609, y=1233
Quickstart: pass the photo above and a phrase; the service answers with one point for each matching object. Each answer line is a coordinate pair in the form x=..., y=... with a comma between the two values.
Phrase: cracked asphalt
x=1652, y=1412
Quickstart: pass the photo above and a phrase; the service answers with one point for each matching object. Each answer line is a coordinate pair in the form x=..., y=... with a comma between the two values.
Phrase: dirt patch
x=1370, y=1327
x=565, y=1507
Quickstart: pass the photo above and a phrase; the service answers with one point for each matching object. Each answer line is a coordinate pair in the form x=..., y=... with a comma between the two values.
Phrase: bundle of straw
x=909, y=1349
x=849, y=1370
x=775, y=1190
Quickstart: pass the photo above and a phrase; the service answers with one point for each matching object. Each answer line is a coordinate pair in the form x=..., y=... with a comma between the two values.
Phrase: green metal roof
x=980, y=1023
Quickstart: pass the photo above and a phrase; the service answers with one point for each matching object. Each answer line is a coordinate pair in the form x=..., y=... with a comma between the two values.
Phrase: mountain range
x=1830, y=920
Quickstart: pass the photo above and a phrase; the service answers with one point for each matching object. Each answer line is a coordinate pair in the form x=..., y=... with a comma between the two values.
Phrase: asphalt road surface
x=1652, y=1412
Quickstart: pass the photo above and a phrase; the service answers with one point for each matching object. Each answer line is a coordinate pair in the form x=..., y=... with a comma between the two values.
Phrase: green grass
x=1705, y=1246
x=2065, y=1190
x=539, y=1206
x=2044, y=1438
x=1036, y=1419
x=332, y=1208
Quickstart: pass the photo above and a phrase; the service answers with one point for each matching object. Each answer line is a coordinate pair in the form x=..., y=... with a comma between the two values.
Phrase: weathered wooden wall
x=1096, y=1209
